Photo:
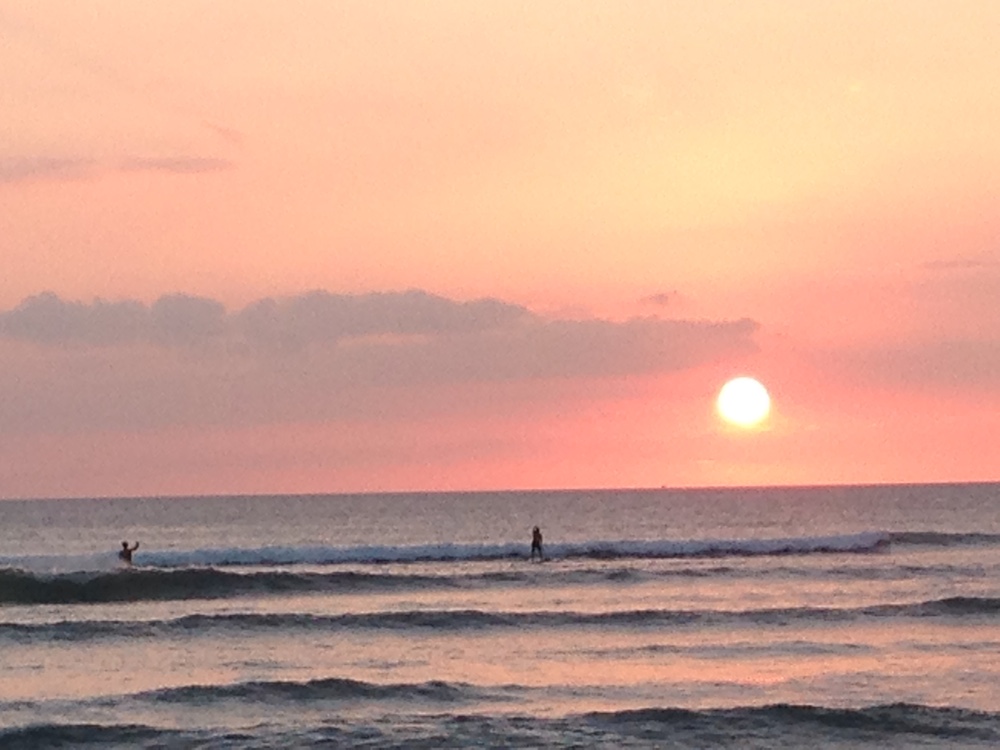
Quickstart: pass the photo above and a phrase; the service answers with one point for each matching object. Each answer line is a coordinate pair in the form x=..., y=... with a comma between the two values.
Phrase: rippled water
x=843, y=616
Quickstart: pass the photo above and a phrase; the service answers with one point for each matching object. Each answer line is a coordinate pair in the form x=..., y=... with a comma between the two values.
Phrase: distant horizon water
x=521, y=490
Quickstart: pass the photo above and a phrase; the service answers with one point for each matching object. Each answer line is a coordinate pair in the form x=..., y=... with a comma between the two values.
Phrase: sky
x=259, y=247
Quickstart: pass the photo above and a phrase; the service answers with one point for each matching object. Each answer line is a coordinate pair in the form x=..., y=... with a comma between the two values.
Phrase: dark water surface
x=840, y=617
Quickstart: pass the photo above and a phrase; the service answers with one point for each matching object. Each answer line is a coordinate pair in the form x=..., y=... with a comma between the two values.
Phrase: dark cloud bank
x=509, y=339
x=72, y=366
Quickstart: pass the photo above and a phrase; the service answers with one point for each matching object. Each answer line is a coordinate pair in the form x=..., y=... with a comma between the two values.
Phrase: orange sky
x=262, y=247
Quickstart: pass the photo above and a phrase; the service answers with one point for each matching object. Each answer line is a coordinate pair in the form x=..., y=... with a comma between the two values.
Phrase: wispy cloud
x=176, y=164
x=25, y=168
x=661, y=299
x=961, y=264
x=231, y=135
x=956, y=364
x=16, y=169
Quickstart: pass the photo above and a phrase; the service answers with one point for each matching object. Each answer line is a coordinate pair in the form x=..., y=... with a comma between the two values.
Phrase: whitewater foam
x=381, y=554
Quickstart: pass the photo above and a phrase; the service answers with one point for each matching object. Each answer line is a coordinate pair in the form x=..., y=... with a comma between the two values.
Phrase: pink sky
x=264, y=247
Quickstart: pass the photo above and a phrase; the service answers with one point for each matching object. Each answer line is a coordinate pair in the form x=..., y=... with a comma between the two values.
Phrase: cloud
x=24, y=168
x=176, y=164
x=15, y=169
x=316, y=317
x=47, y=319
x=180, y=319
x=319, y=356
x=172, y=320
x=952, y=364
x=231, y=135
x=323, y=317
x=599, y=348
x=662, y=299
x=961, y=264
x=482, y=338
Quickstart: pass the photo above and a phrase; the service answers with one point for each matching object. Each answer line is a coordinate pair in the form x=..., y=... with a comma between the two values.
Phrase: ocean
x=783, y=617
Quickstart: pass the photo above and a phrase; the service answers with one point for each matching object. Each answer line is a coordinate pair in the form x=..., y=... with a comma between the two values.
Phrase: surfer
x=126, y=552
x=536, y=544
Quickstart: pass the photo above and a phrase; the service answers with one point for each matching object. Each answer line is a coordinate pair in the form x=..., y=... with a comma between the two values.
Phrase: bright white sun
x=743, y=402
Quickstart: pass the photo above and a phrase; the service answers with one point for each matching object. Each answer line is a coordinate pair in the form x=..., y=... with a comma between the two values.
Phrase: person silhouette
x=536, y=544
x=125, y=555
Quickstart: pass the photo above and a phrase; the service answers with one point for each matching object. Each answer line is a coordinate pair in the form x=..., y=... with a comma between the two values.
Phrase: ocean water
x=827, y=616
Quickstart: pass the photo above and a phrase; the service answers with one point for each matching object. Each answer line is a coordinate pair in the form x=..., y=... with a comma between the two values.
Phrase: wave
x=138, y=584
x=318, y=555
x=163, y=584
x=943, y=539
x=383, y=554
x=797, y=723
x=202, y=574
x=775, y=725
x=155, y=584
x=142, y=584
x=285, y=556
x=474, y=619
x=17, y=587
x=601, y=550
x=332, y=688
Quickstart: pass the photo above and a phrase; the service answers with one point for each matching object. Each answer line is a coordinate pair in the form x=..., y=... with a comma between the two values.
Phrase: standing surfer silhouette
x=536, y=544
x=126, y=552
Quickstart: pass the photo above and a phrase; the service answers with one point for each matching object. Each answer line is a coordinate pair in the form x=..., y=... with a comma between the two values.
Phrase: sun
x=743, y=402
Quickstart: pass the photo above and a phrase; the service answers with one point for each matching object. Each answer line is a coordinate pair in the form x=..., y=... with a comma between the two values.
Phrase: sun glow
x=743, y=402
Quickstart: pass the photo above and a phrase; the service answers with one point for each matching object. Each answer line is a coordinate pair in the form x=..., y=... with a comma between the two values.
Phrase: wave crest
x=331, y=688
x=474, y=619
x=375, y=554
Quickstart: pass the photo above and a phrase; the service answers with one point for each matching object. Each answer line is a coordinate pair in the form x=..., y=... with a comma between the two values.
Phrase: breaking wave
x=203, y=574
x=136, y=584
x=600, y=550
x=382, y=554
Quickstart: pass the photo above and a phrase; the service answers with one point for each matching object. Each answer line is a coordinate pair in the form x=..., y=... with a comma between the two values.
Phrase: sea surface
x=827, y=616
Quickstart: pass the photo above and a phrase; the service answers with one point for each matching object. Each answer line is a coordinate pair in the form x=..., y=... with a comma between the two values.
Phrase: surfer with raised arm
x=126, y=552
x=536, y=544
